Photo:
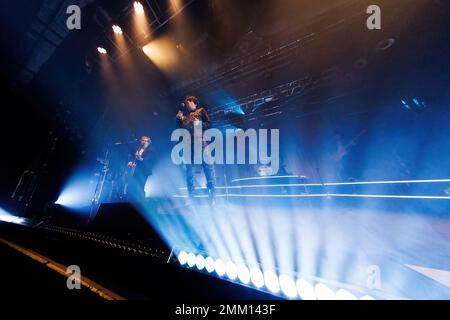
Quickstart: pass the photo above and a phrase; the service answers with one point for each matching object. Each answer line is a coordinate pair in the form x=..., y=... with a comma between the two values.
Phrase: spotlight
x=11, y=219
x=182, y=257
x=343, y=294
x=323, y=292
x=78, y=191
x=200, y=262
x=191, y=259
x=117, y=29
x=7, y=217
x=101, y=50
x=220, y=267
x=287, y=286
x=138, y=8
x=243, y=274
x=305, y=290
x=257, y=277
x=209, y=264
x=271, y=281
x=231, y=270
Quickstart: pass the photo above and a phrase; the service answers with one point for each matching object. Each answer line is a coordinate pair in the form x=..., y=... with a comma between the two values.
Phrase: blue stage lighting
x=224, y=235
x=405, y=105
x=78, y=192
x=287, y=286
x=220, y=267
x=200, y=262
x=243, y=274
x=271, y=281
x=231, y=271
x=323, y=292
x=343, y=294
x=416, y=102
x=191, y=259
x=229, y=103
x=305, y=290
x=257, y=277
x=182, y=257
x=7, y=217
x=209, y=264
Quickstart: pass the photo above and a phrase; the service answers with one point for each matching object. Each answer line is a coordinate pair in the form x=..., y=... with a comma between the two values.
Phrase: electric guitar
x=130, y=170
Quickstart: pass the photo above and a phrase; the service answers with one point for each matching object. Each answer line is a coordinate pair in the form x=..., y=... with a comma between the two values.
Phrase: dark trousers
x=136, y=187
x=208, y=170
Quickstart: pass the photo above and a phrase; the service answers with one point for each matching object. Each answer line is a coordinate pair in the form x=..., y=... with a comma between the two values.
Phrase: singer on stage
x=192, y=117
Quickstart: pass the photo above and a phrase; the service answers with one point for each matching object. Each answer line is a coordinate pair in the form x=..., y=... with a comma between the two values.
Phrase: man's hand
x=138, y=156
x=180, y=115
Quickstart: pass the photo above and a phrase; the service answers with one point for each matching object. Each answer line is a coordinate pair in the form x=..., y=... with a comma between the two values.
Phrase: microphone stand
x=99, y=186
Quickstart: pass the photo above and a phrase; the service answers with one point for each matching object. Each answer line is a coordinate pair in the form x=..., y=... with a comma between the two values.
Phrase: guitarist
x=139, y=170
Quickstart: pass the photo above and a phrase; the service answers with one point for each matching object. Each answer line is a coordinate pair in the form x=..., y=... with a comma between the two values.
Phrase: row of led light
x=275, y=284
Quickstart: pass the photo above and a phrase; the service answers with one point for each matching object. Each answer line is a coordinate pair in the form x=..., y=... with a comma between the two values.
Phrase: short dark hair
x=192, y=99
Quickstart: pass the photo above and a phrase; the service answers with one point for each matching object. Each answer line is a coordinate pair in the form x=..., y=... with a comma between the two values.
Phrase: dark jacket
x=144, y=166
x=188, y=122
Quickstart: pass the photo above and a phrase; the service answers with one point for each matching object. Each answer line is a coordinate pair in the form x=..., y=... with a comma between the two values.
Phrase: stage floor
x=394, y=248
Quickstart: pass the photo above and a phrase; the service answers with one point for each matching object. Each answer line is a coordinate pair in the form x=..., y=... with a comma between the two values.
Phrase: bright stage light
x=7, y=217
x=182, y=257
x=343, y=294
x=287, y=286
x=305, y=290
x=78, y=191
x=163, y=54
x=117, y=29
x=209, y=264
x=200, y=262
x=138, y=8
x=101, y=50
x=323, y=292
x=191, y=259
x=271, y=281
x=220, y=267
x=11, y=219
x=141, y=25
x=243, y=274
x=367, y=298
x=74, y=198
x=231, y=271
x=257, y=277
